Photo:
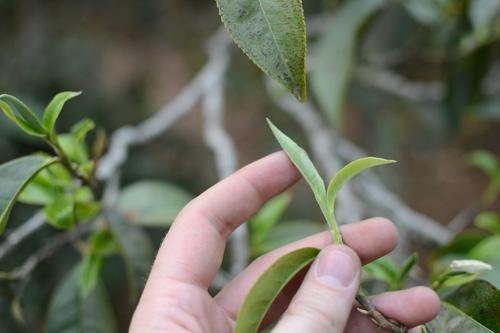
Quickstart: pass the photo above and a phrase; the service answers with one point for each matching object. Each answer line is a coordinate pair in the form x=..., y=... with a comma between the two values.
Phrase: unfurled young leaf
x=14, y=176
x=53, y=110
x=305, y=166
x=22, y=116
x=81, y=129
x=272, y=34
x=335, y=54
x=61, y=213
x=344, y=175
x=268, y=286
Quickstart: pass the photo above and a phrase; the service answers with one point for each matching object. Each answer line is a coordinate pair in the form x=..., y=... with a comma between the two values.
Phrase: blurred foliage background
x=425, y=90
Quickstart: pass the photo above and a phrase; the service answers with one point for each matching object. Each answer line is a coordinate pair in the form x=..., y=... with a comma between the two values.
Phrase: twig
x=378, y=318
x=397, y=85
x=24, y=230
x=46, y=251
x=223, y=147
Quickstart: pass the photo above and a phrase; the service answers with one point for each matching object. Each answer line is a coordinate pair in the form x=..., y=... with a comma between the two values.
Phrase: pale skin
x=176, y=297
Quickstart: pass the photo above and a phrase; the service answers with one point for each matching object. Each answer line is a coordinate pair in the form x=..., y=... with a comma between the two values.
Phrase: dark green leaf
x=452, y=320
x=305, y=166
x=14, y=176
x=152, y=203
x=136, y=249
x=268, y=286
x=71, y=312
x=21, y=115
x=54, y=108
x=481, y=301
x=335, y=55
x=262, y=223
x=488, y=221
x=285, y=233
x=272, y=34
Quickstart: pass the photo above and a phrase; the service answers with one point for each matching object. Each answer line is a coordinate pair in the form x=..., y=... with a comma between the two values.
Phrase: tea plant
x=62, y=181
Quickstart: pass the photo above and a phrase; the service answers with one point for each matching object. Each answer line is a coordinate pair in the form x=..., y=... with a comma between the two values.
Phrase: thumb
x=324, y=301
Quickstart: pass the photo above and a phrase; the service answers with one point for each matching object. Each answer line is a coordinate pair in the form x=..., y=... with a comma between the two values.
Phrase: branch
x=24, y=230
x=223, y=148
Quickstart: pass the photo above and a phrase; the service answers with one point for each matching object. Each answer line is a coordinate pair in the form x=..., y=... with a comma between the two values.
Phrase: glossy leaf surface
x=14, y=176
x=268, y=286
x=272, y=34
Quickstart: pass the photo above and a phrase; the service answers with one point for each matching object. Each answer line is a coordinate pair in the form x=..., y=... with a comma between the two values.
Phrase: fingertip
x=432, y=302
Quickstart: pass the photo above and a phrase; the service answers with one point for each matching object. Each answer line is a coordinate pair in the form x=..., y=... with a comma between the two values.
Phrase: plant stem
x=367, y=308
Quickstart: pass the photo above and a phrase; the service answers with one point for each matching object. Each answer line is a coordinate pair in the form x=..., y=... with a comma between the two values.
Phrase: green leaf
x=22, y=115
x=305, y=166
x=14, y=176
x=136, y=249
x=262, y=222
x=89, y=275
x=485, y=161
x=383, y=269
x=272, y=34
x=268, y=286
x=452, y=320
x=103, y=244
x=488, y=221
x=335, y=55
x=152, y=203
x=406, y=268
x=285, y=233
x=71, y=312
x=486, y=249
x=344, y=175
x=54, y=108
x=61, y=213
x=81, y=129
x=76, y=151
x=481, y=301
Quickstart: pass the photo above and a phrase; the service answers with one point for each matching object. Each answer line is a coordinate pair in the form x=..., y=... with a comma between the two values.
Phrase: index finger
x=193, y=249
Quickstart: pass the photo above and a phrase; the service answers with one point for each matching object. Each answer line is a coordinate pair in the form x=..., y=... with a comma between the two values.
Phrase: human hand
x=176, y=299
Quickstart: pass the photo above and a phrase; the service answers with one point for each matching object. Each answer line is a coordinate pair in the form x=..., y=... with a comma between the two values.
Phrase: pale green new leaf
x=136, y=249
x=487, y=249
x=268, y=286
x=54, y=108
x=488, y=221
x=81, y=129
x=14, y=176
x=452, y=320
x=152, y=203
x=21, y=115
x=61, y=213
x=272, y=34
x=305, y=166
x=335, y=54
x=72, y=312
x=344, y=175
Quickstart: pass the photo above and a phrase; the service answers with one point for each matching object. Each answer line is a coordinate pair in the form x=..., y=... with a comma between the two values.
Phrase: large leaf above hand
x=272, y=34
x=14, y=176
